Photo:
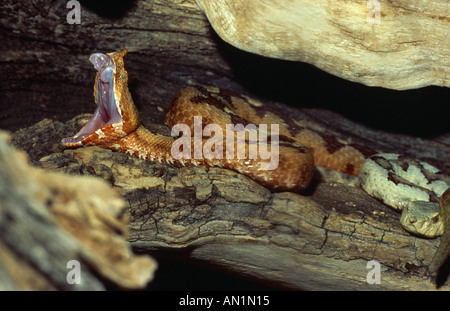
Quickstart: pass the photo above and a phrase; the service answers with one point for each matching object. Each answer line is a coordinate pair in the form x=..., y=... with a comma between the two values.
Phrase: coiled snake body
x=116, y=125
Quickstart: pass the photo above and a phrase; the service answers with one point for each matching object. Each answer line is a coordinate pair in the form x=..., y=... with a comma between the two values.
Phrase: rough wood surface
x=48, y=220
x=406, y=48
x=171, y=45
x=44, y=62
x=321, y=239
x=46, y=59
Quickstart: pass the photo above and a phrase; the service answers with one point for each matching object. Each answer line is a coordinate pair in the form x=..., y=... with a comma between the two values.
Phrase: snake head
x=116, y=115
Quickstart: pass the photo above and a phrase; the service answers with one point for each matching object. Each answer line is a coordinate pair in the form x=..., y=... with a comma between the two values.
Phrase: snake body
x=397, y=180
x=416, y=188
x=116, y=125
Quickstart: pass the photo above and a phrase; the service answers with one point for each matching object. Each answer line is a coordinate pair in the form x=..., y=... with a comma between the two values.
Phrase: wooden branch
x=48, y=75
x=322, y=239
x=45, y=56
x=54, y=229
x=377, y=43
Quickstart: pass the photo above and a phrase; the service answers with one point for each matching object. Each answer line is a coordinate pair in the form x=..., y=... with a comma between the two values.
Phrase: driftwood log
x=395, y=44
x=321, y=239
x=57, y=235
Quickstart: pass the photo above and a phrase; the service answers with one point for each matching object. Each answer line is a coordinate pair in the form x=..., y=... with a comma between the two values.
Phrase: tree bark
x=56, y=235
x=321, y=239
x=48, y=74
x=378, y=43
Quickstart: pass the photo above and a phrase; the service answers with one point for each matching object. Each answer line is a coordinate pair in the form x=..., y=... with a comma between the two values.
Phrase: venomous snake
x=116, y=125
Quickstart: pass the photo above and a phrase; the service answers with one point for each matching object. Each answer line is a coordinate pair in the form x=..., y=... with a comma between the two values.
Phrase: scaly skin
x=299, y=148
x=443, y=250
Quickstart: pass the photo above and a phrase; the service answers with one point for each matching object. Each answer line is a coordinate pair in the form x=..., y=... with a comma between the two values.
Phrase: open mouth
x=106, y=112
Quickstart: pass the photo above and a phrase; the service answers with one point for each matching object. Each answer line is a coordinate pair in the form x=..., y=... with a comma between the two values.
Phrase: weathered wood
x=48, y=221
x=322, y=239
x=44, y=62
x=378, y=43
x=47, y=72
x=46, y=59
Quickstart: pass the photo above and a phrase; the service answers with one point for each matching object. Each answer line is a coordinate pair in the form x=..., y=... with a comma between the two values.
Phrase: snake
x=116, y=125
x=443, y=251
x=418, y=190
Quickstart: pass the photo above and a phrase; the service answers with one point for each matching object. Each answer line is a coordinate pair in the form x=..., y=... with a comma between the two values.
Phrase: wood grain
x=48, y=81
x=321, y=239
x=341, y=38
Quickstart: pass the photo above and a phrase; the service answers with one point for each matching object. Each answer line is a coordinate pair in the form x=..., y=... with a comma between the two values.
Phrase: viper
x=116, y=125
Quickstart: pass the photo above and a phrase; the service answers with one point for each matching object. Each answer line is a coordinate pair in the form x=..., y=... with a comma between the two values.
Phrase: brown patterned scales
x=116, y=125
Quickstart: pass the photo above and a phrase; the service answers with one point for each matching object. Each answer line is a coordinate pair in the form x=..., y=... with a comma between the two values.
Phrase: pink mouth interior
x=106, y=112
